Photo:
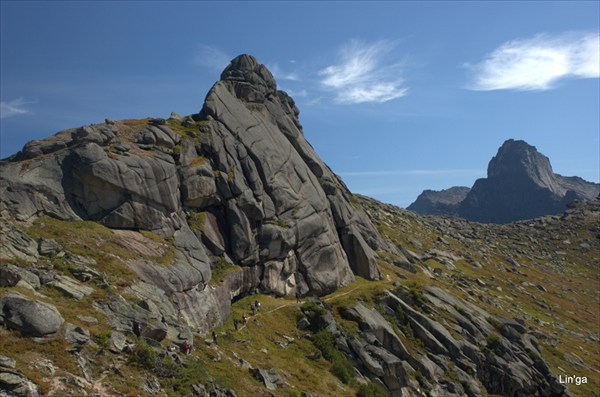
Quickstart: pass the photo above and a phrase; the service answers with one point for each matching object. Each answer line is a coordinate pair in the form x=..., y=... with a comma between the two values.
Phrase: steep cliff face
x=236, y=184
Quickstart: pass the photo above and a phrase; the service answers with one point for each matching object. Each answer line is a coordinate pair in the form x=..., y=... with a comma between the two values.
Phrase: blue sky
x=396, y=97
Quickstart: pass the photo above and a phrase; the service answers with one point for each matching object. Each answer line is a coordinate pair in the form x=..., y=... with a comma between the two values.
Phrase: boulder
x=269, y=377
x=32, y=318
x=7, y=362
x=17, y=384
x=76, y=335
x=49, y=247
x=15, y=243
x=118, y=342
x=70, y=287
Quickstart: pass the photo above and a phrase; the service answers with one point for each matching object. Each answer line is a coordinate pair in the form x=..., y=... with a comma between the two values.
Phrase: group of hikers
x=254, y=308
x=186, y=347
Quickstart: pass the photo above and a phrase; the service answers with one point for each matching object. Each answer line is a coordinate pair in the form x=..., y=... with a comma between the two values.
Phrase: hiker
x=257, y=305
x=297, y=296
x=236, y=323
x=244, y=319
x=185, y=346
x=136, y=328
x=253, y=308
x=214, y=335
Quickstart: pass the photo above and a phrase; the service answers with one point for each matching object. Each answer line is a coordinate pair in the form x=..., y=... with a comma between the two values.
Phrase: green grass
x=341, y=366
x=196, y=220
x=370, y=390
x=88, y=239
x=221, y=270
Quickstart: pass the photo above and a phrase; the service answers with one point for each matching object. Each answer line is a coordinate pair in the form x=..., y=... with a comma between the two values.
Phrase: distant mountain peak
x=518, y=159
x=520, y=184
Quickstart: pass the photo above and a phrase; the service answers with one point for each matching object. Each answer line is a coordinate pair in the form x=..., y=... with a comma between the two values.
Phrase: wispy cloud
x=413, y=172
x=361, y=75
x=211, y=57
x=14, y=107
x=539, y=62
x=279, y=74
x=296, y=94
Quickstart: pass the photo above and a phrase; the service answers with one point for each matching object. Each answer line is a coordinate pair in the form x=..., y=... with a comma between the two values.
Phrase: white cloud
x=211, y=57
x=539, y=62
x=14, y=107
x=361, y=76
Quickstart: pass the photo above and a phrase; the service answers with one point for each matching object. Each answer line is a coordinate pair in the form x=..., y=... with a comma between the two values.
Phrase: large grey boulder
x=31, y=317
x=124, y=192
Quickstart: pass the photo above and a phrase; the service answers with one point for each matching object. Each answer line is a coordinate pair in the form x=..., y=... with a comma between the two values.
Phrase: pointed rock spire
x=249, y=80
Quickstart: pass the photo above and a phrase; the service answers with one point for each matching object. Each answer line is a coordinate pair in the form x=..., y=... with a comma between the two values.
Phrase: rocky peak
x=518, y=159
x=249, y=80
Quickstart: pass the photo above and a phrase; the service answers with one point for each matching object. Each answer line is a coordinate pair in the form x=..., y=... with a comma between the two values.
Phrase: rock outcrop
x=520, y=184
x=237, y=183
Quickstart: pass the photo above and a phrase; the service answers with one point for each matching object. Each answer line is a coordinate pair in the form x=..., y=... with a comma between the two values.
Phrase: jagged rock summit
x=234, y=185
x=520, y=184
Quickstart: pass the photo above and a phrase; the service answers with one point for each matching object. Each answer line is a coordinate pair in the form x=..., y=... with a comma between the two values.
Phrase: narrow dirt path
x=339, y=295
x=335, y=295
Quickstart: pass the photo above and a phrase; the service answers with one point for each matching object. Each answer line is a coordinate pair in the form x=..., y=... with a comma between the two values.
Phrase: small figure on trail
x=136, y=328
x=185, y=346
x=236, y=323
x=297, y=296
x=244, y=319
x=257, y=305
x=214, y=335
x=253, y=308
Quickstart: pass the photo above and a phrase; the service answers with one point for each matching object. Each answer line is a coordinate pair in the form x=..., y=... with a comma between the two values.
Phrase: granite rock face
x=520, y=184
x=272, y=185
x=242, y=166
